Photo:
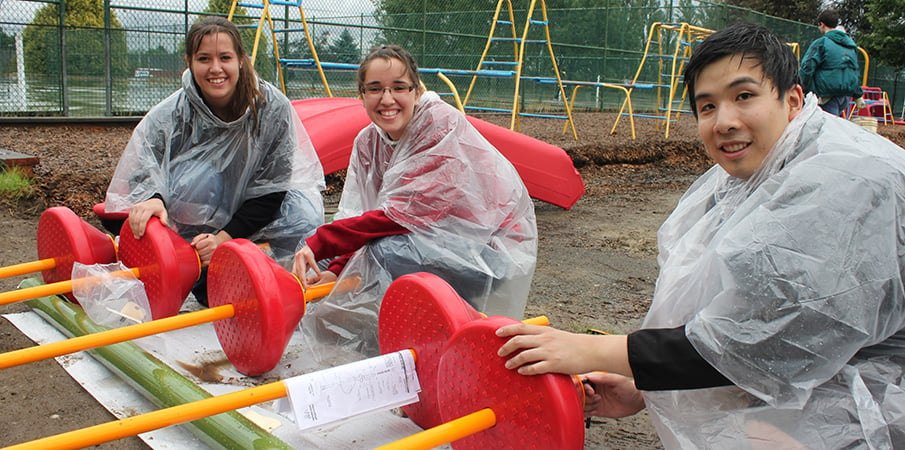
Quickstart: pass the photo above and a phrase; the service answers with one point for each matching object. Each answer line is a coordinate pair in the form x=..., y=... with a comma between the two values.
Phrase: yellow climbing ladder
x=517, y=64
x=670, y=64
x=264, y=6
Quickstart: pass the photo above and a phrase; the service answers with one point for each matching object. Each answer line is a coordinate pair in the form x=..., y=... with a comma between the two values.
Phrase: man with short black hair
x=778, y=315
x=830, y=66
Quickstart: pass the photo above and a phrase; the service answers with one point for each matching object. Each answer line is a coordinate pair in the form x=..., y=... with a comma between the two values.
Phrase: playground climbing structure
x=516, y=66
x=667, y=49
x=266, y=18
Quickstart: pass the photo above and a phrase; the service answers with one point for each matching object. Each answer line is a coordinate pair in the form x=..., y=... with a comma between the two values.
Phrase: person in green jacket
x=829, y=68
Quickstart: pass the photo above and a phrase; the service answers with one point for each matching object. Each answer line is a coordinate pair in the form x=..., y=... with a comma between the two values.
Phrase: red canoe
x=547, y=171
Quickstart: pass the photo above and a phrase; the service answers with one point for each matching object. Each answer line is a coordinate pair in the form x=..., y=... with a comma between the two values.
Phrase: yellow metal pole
x=866, y=66
x=276, y=52
x=445, y=433
x=452, y=88
x=650, y=37
x=493, y=24
x=516, y=106
x=562, y=92
x=320, y=69
x=265, y=12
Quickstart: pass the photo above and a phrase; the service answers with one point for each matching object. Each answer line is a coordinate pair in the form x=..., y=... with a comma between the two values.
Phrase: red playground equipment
x=876, y=105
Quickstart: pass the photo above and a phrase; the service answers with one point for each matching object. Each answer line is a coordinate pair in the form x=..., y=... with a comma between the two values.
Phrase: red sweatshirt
x=344, y=236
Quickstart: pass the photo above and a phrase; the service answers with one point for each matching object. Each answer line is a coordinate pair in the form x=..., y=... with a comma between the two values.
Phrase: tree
x=344, y=49
x=85, y=36
x=852, y=17
x=7, y=53
x=451, y=27
x=887, y=33
x=222, y=7
x=805, y=11
x=608, y=25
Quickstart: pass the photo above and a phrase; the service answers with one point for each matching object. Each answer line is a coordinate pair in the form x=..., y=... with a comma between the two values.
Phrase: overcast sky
x=19, y=11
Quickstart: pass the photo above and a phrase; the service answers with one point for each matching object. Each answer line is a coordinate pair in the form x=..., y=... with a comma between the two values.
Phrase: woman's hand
x=611, y=395
x=324, y=277
x=141, y=213
x=206, y=243
x=304, y=260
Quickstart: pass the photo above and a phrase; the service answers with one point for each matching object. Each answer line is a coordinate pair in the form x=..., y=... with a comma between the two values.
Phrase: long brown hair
x=247, y=92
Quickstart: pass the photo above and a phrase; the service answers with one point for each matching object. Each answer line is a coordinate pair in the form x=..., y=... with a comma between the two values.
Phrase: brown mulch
x=77, y=161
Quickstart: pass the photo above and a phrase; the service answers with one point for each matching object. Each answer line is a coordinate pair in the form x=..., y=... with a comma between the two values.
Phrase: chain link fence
x=126, y=56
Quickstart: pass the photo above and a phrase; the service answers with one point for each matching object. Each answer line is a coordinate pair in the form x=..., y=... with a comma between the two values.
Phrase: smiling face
x=393, y=107
x=740, y=115
x=215, y=68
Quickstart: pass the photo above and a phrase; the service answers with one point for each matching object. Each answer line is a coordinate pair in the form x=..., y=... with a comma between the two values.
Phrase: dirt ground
x=596, y=264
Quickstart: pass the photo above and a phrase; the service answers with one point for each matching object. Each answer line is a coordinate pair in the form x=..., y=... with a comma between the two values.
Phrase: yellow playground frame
x=264, y=6
x=518, y=45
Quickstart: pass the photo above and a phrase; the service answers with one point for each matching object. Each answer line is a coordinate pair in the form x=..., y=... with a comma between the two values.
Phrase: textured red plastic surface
x=420, y=311
x=547, y=171
x=268, y=301
x=65, y=237
x=168, y=265
x=332, y=124
x=100, y=210
x=532, y=411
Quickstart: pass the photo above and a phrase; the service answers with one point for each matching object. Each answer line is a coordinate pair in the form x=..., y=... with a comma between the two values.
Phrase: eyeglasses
x=396, y=90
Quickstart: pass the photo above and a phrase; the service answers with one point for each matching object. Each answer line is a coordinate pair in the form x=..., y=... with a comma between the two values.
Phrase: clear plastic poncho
x=470, y=218
x=790, y=284
x=206, y=168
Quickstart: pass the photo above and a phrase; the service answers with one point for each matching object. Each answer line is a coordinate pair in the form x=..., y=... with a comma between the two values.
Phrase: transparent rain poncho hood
x=790, y=284
x=465, y=206
x=206, y=168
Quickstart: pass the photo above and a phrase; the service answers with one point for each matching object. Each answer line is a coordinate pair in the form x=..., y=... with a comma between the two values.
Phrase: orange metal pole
x=28, y=267
x=44, y=290
x=445, y=433
x=117, y=335
x=131, y=426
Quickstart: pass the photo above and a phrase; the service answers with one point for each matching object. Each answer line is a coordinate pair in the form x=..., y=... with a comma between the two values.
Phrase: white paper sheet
x=380, y=383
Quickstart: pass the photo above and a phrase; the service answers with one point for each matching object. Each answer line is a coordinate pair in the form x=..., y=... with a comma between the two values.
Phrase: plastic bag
x=110, y=294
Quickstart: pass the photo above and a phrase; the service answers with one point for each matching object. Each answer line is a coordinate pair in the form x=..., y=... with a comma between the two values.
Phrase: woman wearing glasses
x=424, y=192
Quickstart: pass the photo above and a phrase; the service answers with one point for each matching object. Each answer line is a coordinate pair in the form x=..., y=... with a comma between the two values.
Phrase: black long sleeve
x=254, y=214
x=662, y=359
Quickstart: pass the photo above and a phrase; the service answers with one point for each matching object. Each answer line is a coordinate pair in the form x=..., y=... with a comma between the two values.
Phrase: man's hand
x=206, y=243
x=611, y=395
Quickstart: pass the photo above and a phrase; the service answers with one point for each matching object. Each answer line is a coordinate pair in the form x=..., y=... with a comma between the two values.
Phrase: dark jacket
x=830, y=66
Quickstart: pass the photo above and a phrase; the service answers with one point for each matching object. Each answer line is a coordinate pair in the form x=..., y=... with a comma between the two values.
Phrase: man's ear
x=795, y=101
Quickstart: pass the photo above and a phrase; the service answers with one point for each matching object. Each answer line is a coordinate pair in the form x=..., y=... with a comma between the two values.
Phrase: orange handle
x=539, y=320
x=318, y=291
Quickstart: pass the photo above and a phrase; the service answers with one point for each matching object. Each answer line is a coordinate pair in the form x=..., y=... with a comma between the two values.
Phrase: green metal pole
x=155, y=380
